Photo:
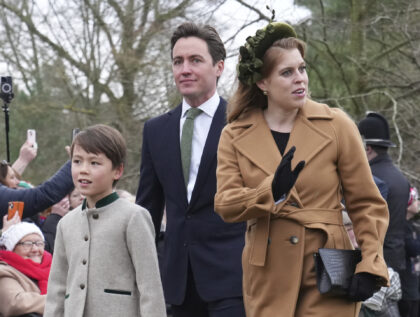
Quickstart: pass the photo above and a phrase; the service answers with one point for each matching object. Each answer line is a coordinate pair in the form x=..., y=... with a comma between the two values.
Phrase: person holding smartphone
x=40, y=197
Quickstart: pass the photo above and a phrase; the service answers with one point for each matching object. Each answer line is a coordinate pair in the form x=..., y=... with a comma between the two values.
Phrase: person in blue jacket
x=38, y=198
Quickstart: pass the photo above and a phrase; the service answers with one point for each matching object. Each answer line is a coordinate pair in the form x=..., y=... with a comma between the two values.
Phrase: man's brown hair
x=207, y=33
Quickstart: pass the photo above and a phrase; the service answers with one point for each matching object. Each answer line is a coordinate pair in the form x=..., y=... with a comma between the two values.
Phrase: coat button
x=86, y=238
x=84, y=262
x=82, y=286
x=294, y=240
x=95, y=216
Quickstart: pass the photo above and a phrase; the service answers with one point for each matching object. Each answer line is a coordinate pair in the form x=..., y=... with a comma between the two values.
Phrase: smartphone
x=31, y=136
x=73, y=133
x=15, y=206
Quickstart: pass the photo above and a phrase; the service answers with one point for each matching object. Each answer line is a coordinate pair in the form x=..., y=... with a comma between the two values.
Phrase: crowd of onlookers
x=33, y=238
x=268, y=188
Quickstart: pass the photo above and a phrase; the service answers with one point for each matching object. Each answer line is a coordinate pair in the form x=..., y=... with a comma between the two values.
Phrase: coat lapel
x=305, y=136
x=258, y=145
x=210, y=148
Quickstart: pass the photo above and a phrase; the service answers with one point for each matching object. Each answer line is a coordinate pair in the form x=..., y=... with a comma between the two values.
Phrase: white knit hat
x=15, y=233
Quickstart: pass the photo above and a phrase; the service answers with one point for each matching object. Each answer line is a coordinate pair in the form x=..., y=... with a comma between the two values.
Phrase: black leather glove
x=284, y=177
x=363, y=286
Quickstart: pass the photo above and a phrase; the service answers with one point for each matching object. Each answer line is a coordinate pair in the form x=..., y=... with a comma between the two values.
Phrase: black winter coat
x=409, y=279
x=398, y=194
x=49, y=229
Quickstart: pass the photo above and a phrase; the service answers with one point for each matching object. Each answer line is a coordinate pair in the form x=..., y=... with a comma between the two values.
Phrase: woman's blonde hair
x=250, y=96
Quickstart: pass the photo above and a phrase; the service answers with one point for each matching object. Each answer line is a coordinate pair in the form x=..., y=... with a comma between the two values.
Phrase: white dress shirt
x=202, y=125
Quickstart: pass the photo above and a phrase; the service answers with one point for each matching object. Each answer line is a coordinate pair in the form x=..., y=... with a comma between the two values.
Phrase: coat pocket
x=117, y=292
x=246, y=258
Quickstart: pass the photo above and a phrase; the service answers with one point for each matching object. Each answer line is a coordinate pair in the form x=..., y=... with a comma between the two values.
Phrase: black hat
x=375, y=130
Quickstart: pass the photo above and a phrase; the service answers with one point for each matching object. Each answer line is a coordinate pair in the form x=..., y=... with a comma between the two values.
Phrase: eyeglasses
x=28, y=245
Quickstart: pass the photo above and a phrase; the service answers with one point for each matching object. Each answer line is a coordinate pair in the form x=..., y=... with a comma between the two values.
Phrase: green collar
x=104, y=201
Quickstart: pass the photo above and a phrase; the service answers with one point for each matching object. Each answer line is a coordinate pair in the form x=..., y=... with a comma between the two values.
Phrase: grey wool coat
x=105, y=263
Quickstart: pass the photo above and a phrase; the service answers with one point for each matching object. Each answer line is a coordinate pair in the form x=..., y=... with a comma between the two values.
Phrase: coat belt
x=314, y=218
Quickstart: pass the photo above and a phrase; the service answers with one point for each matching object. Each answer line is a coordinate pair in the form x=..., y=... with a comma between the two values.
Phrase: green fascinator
x=251, y=54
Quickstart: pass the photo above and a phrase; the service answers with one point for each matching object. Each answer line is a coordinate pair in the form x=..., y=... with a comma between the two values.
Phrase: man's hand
x=28, y=151
x=26, y=154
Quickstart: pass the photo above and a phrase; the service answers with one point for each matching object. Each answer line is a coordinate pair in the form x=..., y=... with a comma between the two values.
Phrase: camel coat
x=18, y=293
x=278, y=265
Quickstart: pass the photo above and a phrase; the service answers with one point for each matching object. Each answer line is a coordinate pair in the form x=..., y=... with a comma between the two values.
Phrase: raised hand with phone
x=27, y=154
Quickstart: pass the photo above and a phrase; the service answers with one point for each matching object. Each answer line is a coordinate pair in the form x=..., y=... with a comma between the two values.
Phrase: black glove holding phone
x=284, y=177
x=363, y=286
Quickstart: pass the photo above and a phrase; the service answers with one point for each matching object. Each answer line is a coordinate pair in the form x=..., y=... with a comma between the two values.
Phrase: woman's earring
x=265, y=92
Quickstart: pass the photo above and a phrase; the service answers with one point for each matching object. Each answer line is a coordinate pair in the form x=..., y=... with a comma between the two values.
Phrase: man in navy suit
x=201, y=269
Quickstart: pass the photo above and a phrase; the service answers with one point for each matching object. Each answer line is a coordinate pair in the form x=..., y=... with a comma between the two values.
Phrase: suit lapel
x=210, y=148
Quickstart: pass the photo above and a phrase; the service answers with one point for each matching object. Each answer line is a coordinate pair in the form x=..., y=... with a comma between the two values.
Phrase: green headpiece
x=250, y=63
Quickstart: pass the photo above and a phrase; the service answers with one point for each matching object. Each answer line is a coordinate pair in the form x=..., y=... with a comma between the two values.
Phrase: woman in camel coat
x=267, y=117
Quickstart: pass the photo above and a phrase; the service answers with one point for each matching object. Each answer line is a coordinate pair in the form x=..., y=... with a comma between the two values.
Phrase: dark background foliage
x=77, y=63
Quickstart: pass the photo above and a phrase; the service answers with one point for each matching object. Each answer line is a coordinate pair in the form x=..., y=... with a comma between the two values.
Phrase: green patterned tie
x=186, y=141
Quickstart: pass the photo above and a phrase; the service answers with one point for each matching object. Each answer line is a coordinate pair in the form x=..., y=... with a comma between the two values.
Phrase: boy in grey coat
x=105, y=261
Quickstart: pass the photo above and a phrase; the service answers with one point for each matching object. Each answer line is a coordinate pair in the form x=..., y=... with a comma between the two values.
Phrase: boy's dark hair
x=206, y=33
x=101, y=138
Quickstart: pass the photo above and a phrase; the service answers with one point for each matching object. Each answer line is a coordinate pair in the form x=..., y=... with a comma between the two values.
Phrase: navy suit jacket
x=194, y=232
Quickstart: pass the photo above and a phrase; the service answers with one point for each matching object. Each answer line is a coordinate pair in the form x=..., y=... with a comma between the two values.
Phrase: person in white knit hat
x=24, y=270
